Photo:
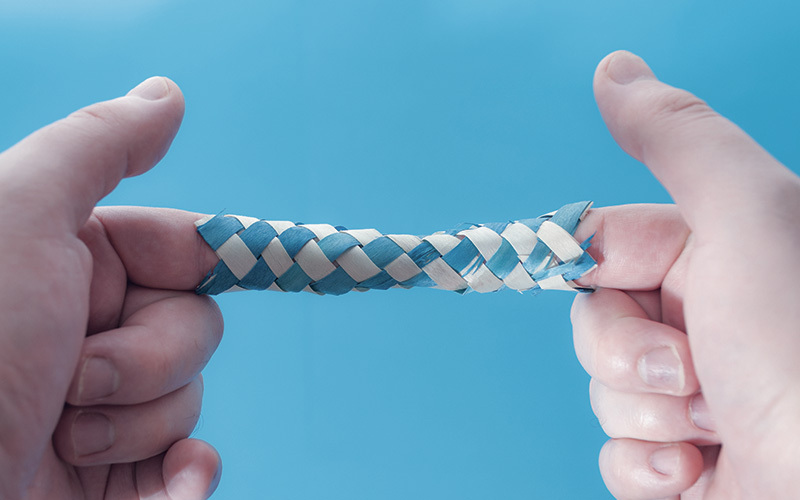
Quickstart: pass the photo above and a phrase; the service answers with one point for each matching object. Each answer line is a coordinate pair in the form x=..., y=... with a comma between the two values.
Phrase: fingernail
x=701, y=416
x=99, y=379
x=665, y=460
x=152, y=89
x=662, y=368
x=92, y=432
x=624, y=68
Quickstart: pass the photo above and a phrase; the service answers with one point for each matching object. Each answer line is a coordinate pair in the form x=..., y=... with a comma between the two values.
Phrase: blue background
x=407, y=116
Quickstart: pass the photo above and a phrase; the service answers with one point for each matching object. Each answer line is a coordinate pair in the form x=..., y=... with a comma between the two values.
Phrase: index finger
x=634, y=245
x=159, y=247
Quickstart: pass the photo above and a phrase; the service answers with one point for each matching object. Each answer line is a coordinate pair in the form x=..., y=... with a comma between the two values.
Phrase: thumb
x=55, y=176
x=709, y=165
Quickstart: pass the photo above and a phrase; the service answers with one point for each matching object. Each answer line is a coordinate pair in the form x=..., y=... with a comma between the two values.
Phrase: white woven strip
x=405, y=241
x=521, y=237
x=443, y=243
x=559, y=241
x=236, y=255
x=486, y=240
x=444, y=276
x=313, y=261
x=276, y=258
x=483, y=280
x=402, y=268
x=363, y=236
x=321, y=230
x=518, y=279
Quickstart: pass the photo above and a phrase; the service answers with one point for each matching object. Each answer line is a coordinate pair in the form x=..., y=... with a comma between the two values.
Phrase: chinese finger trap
x=527, y=255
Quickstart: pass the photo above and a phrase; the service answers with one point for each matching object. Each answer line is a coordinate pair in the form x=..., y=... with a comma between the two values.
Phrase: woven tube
x=524, y=255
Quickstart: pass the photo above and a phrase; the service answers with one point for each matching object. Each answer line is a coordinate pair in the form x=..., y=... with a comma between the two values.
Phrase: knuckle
x=162, y=367
x=646, y=423
x=612, y=469
x=679, y=101
x=194, y=403
x=623, y=417
x=101, y=115
x=600, y=409
x=610, y=365
x=62, y=435
x=184, y=414
x=612, y=427
x=676, y=107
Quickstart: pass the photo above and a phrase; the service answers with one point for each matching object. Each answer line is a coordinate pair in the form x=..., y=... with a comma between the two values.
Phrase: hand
x=692, y=343
x=97, y=311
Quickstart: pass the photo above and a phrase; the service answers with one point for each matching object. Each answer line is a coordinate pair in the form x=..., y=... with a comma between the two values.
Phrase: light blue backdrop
x=406, y=116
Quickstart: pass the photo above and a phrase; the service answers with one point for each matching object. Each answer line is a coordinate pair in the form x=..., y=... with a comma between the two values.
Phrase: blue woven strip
x=218, y=281
x=421, y=279
x=293, y=280
x=219, y=230
x=382, y=251
x=504, y=260
x=423, y=254
x=258, y=236
x=326, y=260
x=336, y=244
x=259, y=278
x=381, y=281
x=461, y=256
x=336, y=283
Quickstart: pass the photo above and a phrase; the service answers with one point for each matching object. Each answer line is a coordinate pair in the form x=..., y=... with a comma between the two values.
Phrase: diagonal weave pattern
x=525, y=255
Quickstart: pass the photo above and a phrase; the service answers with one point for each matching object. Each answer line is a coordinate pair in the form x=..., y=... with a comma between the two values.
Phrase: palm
x=744, y=385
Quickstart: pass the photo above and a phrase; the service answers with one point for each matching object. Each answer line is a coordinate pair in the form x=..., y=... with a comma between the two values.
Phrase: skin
x=707, y=288
x=97, y=311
